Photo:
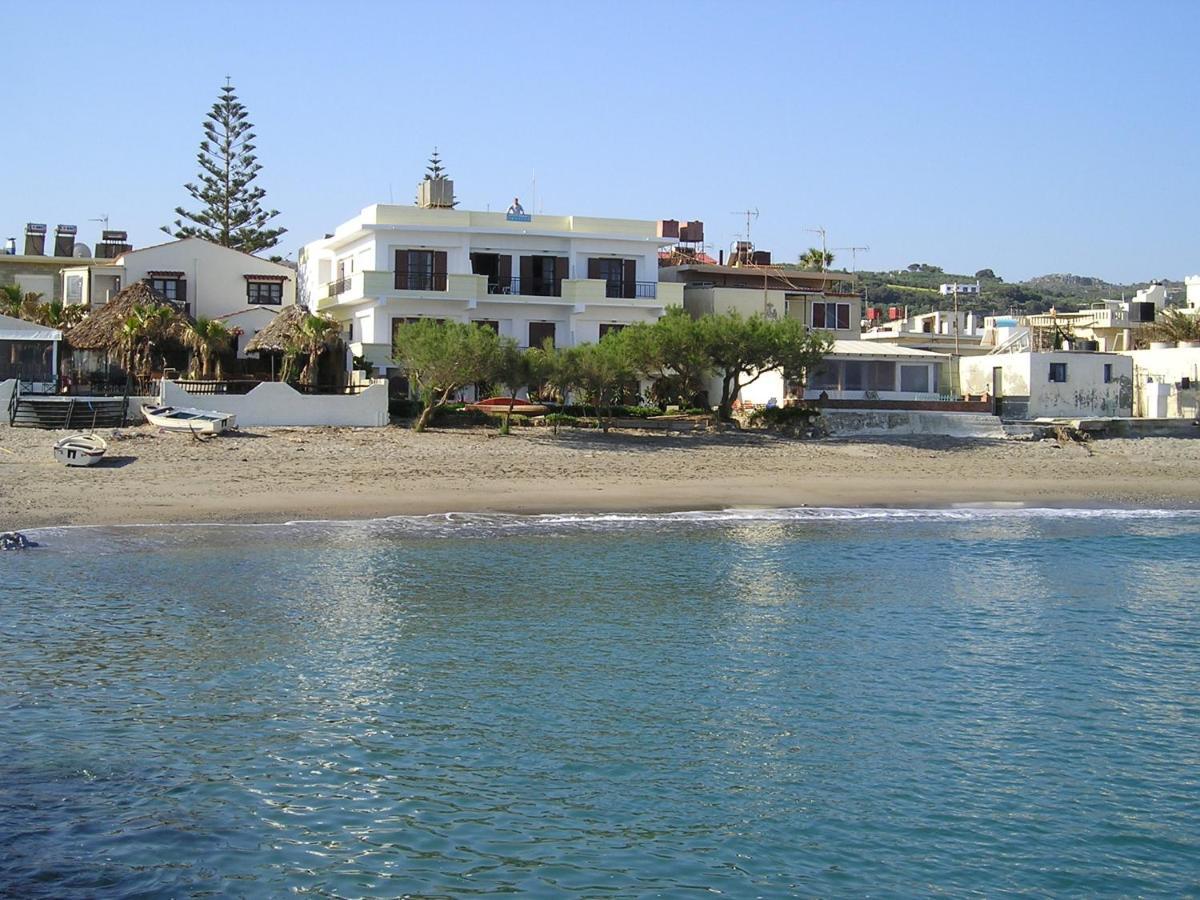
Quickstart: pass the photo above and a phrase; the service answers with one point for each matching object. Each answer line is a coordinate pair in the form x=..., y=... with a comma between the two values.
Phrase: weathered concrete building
x=1054, y=384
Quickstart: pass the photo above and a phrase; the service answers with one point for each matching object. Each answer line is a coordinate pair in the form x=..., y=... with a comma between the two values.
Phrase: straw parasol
x=101, y=330
x=280, y=336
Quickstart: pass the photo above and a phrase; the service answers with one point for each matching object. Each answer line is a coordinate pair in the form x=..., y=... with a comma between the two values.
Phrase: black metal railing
x=242, y=386
x=510, y=285
x=336, y=288
x=420, y=281
x=646, y=289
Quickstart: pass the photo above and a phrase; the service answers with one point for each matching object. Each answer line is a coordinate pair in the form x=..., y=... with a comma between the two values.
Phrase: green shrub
x=455, y=415
x=402, y=408
x=558, y=418
x=777, y=416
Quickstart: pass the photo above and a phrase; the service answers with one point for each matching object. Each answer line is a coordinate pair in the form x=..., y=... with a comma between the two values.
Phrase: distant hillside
x=918, y=290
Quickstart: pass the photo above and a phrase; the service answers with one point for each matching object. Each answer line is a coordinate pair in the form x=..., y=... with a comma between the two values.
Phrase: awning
x=19, y=330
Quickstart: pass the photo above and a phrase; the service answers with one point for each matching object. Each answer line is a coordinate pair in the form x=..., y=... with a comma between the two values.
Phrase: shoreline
x=274, y=476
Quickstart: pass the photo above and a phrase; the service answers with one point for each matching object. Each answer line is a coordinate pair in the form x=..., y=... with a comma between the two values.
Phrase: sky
x=1024, y=137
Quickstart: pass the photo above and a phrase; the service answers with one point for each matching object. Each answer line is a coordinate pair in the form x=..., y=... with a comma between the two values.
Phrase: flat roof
x=882, y=351
x=758, y=271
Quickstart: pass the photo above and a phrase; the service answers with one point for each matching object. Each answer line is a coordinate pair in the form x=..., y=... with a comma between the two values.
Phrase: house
x=532, y=277
x=1052, y=384
x=1166, y=380
x=39, y=272
x=202, y=278
x=823, y=301
x=954, y=288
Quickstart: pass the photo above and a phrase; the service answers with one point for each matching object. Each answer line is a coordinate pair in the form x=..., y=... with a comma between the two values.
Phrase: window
x=609, y=328
x=833, y=316
x=171, y=288
x=1058, y=373
x=914, y=379
x=420, y=270
x=824, y=378
x=539, y=332
x=1108, y=376
x=613, y=273
x=265, y=293
x=544, y=276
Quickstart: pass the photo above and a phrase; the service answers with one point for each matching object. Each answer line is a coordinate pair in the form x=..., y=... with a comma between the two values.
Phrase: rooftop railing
x=420, y=281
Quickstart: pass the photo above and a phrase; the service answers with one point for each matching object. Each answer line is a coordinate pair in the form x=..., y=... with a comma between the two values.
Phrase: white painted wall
x=1159, y=382
x=1085, y=393
x=276, y=403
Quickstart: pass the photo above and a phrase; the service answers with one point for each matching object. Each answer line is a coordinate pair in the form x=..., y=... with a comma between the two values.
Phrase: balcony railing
x=420, y=281
x=510, y=285
x=647, y=290
x=339, y=287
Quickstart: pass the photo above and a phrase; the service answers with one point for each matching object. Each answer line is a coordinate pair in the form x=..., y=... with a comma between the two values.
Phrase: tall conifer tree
x=231, y=215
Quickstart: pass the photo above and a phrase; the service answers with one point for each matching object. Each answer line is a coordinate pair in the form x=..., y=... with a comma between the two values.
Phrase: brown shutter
x=181, y=290
x=561, y=267
x=594, y=268
x=474, y=263
x=630, y=280
x=439, y=270
x=526, y=286
x=504, y=272
x=401, y=270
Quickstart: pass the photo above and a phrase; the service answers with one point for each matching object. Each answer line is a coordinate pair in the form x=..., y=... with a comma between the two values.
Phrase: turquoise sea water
x=769, y=704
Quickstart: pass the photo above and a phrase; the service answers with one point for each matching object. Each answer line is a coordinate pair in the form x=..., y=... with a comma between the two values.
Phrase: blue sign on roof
x=518, y=217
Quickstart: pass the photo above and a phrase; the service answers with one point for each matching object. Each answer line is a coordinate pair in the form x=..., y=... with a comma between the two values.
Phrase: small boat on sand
x=80, y=449
x=186, y=419
x=499, y=406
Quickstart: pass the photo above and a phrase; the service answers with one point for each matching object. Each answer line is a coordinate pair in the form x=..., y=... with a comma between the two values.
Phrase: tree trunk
x=427, y=412
x=729, y=389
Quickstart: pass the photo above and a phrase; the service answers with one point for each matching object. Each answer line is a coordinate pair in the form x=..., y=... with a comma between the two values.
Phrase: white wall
x=276, y=403
x=1162, y=372
x=1027, y=375
x=216, y=283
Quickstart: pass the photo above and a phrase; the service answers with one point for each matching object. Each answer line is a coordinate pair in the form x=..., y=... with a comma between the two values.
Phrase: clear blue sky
x=1025, y=137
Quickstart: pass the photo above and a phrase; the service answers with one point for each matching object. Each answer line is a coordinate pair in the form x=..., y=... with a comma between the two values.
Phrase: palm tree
x=57, y=314
x=144, y=328
x=18, y=303
x=314, y=335
x=1173, y=324
x=817, y=259
x=208, y=339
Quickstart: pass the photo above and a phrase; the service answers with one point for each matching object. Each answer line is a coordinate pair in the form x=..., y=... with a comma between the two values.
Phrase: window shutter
x=526, y=286
x=594, y=268
x=504, y=271
x=843, y=316
x=401, y=262
x=630, y=280
x=181, y=290
x=439, y=270
x=561, y=266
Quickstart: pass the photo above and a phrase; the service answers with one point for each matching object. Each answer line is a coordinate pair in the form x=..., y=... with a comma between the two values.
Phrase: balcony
x=420, y=281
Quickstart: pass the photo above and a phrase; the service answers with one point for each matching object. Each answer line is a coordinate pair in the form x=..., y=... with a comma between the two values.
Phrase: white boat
x=80, y=449
x=196, y=421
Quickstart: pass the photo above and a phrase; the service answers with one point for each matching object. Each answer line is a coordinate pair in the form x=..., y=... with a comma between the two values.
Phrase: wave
x=469, y=524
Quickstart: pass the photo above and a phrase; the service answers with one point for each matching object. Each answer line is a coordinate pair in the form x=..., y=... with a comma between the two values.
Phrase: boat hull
x=80, y=450
x=188, y=420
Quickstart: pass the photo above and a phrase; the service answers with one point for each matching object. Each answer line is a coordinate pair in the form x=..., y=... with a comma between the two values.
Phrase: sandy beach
x=282, y=474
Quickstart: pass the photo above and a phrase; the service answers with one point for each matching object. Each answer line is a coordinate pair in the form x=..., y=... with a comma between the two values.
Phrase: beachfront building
x=1053, y=384
x=532, y=277
x=37, y=262
x=196, y=276
x=824, y=301
x=29, y=354
x=1166, y=380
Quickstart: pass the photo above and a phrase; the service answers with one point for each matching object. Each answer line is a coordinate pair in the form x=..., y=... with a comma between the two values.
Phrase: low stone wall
x=972, y=406
x=276, y=403
x=844, y=423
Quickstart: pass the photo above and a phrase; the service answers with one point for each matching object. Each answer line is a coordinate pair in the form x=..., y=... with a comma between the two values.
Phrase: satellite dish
x=81, y=251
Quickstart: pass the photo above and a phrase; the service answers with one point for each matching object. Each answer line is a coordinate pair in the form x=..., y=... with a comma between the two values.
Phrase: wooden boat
x=187, y=419
x=499, y=406
x=80, y=449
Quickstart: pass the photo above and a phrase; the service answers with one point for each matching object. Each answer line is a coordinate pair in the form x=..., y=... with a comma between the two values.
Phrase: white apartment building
x=569, y=279
x=205, y=279
x=955, y=287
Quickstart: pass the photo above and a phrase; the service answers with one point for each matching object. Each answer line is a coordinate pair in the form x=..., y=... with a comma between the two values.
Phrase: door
x=997, y=390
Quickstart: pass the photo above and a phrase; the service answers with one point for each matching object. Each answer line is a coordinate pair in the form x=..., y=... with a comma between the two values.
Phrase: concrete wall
x=1160, y=390
x=909, y=422
x=1028, y=391
x=275, y=403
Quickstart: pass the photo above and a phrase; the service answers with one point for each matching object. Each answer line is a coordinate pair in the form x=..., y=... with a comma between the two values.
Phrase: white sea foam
x=465, y=523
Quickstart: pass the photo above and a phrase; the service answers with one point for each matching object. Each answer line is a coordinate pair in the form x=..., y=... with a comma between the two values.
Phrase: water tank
x=1085, y=345
x=1141, y=311
x=872, y=313
x=893, y=313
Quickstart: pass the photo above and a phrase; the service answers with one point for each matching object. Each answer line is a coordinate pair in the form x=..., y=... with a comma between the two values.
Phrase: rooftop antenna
x=103, y=217
x=748, y=213
x=824, y=252
x=854, y=251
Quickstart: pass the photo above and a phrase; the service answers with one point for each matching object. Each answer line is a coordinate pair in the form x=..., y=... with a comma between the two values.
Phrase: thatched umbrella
x=280, y=336
x=101, y=330
x=291, y=333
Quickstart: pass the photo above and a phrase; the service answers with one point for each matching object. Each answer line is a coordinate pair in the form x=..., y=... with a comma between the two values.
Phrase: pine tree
x=231, y=215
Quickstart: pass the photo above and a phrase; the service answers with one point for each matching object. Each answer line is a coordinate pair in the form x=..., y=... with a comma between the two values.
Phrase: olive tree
x=440, y=358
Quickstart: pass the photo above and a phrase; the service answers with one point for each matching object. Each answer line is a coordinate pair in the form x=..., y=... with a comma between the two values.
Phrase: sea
x=805, y=702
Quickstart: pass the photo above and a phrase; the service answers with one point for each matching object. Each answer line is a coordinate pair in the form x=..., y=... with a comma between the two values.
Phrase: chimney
x=64, y=239
x=35, y=239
